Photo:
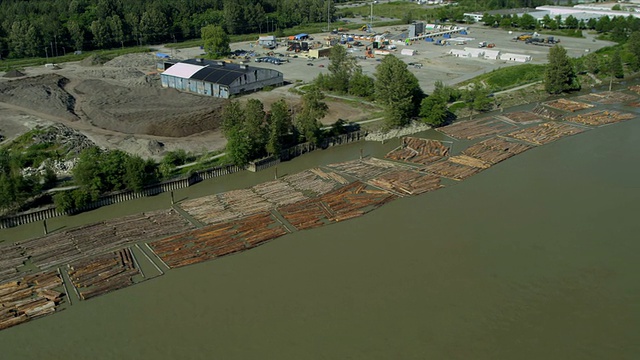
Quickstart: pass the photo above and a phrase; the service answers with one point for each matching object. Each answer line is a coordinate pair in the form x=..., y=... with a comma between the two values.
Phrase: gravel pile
x=142, y=60
x=115, y=74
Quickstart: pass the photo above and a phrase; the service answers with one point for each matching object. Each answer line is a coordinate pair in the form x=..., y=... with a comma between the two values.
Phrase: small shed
x=408, y=52
x=474, y=52
x=515, y=57
x=267, y=41
x=319, y=53
x=492, y=54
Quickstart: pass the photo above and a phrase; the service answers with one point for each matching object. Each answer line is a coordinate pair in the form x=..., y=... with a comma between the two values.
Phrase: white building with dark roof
x=217, y=78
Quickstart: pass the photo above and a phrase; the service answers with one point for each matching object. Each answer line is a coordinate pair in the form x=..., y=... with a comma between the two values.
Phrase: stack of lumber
x=64, y=247
x=11, y=257
x=407, y=182
x=545, y=133
x=473, y=129
x=495, y=150
x=364, y=169
x=315, y=181
x=608, y=97
x=598, y=118
x=546, y=113
x=523, y=117
x=29, y=297
x=217, y=240
x=103, y=274
x=279, y=192
x=568, y=105
x=420, y=151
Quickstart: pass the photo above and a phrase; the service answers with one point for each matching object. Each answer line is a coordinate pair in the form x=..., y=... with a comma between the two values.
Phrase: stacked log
x=546, y=133
x=11, y=257
x=567, y=105
x=315, y=181
x=456, y=167
x=495, y=150
x=209, y=209
x=546, y=113
x=599, y=118
x=473, y=129
x=407, y=182
x=29, y=297
x=245, y=201
x=354, y=200
x=217, y=240
x=523, y=117
x=278, y=192
x=104, y=273
x=419, y=151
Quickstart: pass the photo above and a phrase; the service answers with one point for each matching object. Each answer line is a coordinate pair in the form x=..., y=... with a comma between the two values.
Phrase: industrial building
x=217, y=78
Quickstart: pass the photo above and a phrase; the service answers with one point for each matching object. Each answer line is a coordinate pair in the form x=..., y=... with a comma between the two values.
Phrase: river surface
x=535, y=258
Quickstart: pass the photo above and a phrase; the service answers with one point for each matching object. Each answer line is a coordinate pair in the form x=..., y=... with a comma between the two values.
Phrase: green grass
x=395, y=10
x=563, y=32
x=8, y=64
x=510, y=77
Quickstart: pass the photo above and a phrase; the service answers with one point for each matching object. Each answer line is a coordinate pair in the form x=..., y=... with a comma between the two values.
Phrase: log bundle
x=102, y=274
x=456, y=167
x=546, y=133
x=567, y=105
x=419, y=151
x=546, y=113
x=365, y=169
x=474, y=129
x=495, y=150
x=217, y=240
x=67, y=246
x=608, y=97
x=523, y=117
x=635, y=88
x=29, y=297
x=11, y=257
x=601, y=117
x=407, y=182
x=315, y=182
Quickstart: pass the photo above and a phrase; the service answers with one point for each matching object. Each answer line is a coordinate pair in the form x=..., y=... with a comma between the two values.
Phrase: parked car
x=320, y=65
x=309, y=64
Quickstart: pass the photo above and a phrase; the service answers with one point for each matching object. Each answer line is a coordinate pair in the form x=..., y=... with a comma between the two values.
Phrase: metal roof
x=183, y=70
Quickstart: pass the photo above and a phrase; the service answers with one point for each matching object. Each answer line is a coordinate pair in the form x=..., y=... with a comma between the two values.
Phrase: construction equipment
x=369, y=52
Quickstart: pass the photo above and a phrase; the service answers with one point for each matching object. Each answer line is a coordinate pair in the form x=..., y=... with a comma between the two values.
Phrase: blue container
x=463, y=32
x=350, y=39
x=428, y=39
x=447, y=36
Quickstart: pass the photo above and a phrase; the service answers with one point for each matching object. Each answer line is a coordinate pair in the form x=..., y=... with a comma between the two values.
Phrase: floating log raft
x=608, y=97
x=11, y=257
x=29, y=297
x=365, y=169
x=209, y=209
x=602, y=117
x=546, y=113
x=104, y=273
x=407, y=182
x=567, y=105
x=474, y=129
x=546, y=133
x=522, y=117
x=279, y=192
x=217, y=240
x=315, y=181
x=419, y=151
x=350, y=201
x=457, y=167
x=65, y=247
x=495, y=150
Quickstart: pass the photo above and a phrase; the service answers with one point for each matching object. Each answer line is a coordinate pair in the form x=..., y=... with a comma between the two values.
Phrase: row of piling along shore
x=239, y=220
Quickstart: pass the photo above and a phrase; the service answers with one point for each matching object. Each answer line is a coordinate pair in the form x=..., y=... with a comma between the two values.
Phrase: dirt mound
x=140, y=60
x=111, y=73
x=13, y=74
x=147, y=110
x=44, y=93
x=93, y=60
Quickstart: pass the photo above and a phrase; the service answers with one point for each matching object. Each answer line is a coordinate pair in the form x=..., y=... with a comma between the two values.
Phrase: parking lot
x=434, y=60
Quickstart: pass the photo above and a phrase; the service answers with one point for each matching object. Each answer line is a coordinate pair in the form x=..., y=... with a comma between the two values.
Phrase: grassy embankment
x=8, y=64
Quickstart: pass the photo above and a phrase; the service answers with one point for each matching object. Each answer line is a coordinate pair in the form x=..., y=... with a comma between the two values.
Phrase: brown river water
x=535, y=258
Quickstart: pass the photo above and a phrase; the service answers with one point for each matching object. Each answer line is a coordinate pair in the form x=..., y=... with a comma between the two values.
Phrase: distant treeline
x=54, y=27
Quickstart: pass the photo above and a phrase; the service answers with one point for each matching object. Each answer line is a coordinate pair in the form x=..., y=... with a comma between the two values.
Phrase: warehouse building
x=218, y=78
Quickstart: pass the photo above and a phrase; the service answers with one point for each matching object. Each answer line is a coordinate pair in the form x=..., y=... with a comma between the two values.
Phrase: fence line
x=180, y=183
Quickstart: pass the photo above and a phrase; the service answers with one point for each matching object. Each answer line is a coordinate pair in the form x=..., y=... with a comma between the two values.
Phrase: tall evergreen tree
x=397, y=89
x=559, y=75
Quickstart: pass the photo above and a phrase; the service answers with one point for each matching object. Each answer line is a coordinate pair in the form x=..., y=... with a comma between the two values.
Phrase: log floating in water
x=419, y=151
x=546, y=133
x=473, y=129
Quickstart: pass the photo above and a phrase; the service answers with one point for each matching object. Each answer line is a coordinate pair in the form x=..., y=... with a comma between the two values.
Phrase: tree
x=254, y=124
x=216, y=41
x=559, y=75
x=135, y=177
x=279, y=126
x=527, y=22
x=341, y=67
x=434, y=111
x=100, y=31
x=633, y=46
x=76, y=33
x=615, y=65
x=313, y=109
x=397, y=89
x=361, y=85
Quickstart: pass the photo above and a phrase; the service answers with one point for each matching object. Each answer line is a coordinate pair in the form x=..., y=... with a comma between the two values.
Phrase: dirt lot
x=120, y=104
